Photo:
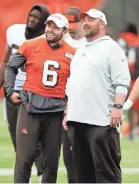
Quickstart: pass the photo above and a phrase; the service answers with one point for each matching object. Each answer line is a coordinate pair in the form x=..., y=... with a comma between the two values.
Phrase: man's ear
x=102, y=25
x=65, y=32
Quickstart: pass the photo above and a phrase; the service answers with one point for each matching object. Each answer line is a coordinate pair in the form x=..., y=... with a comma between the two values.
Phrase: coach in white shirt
x=97, y=90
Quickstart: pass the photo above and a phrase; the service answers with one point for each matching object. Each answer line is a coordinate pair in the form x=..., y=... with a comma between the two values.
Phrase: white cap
x=94, y=14
x=59, y=19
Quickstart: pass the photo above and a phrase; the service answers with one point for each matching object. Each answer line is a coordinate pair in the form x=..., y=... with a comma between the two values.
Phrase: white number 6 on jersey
x=47, y=73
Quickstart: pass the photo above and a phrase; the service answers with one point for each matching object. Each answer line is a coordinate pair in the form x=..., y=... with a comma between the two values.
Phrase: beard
x=34, y=32
x=90, y=32
x=72, y=33
x=53, y=38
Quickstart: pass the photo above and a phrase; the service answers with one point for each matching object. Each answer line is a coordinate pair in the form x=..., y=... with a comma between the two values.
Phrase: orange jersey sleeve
x=24, y=49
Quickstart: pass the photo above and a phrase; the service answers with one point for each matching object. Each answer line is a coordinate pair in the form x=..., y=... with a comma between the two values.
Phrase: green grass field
x=129, y=164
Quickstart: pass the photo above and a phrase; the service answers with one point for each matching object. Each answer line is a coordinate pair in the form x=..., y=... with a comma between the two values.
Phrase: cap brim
x=82, y=15
x=70, y=18
x=54, y=22
x=74, y=25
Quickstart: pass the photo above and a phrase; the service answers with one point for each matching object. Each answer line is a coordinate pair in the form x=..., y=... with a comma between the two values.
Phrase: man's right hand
x=64, y=123
x=15, y=98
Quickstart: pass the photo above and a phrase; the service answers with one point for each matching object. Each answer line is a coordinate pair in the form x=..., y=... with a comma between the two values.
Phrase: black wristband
x=118, y=106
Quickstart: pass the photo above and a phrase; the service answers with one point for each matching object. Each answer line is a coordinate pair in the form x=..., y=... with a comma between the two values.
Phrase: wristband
x=118, y=106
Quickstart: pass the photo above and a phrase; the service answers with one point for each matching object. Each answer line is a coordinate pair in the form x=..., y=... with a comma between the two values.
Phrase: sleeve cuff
x=122, y=90
x=9, y=93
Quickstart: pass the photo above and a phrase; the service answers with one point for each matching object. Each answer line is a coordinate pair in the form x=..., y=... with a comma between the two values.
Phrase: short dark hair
x=64, y=28
x=73, y=11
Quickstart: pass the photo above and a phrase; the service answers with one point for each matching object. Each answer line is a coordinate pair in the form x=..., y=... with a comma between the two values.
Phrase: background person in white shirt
x=76, y=37
x=97, y=89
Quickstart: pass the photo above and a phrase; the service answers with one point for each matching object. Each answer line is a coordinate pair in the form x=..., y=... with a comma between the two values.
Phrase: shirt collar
x=56, y=46
x=97, y=40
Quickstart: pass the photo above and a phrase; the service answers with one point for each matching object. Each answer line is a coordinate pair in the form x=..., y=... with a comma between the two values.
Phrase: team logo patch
x=68, y=55
x=83, y=54
x=24, y=131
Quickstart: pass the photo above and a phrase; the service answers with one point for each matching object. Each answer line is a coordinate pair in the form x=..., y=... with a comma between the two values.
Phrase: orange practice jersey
x=47, y=69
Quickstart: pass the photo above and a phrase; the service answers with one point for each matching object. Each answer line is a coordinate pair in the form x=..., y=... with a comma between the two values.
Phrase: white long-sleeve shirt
x=15, y=35
x=99, y=70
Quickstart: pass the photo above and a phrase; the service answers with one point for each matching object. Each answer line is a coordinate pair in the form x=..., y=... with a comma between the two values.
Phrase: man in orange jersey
x=47, y=64
x=15, y=35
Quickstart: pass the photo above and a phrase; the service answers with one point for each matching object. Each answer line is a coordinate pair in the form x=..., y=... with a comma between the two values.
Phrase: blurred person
x=74, y=23
x=129, y=36
x=16, y=35
x=133, y=97
x=129, y=41
x=76, y=39
x=75, y=30
x=97, y=89
x=47, y=64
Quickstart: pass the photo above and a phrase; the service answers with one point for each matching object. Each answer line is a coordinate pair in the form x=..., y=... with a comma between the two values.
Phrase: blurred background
x=123, y=26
